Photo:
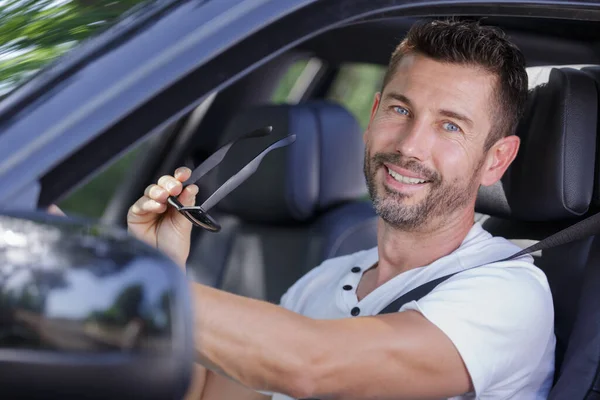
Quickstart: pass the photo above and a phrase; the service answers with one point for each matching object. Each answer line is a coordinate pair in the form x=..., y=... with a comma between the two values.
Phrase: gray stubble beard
x=442, y=200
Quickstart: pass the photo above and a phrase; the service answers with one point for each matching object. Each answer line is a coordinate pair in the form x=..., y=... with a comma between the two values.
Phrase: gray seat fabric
x=550, y=186
x=306, y=203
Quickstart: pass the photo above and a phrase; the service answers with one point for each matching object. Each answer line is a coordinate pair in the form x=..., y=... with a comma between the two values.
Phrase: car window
x=91, y=199
x=354, y=88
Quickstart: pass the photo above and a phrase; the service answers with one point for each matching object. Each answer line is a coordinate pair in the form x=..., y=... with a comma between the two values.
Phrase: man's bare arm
x=265, y=347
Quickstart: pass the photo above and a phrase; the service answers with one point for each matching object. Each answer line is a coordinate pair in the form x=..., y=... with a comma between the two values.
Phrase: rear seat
x=550, y=186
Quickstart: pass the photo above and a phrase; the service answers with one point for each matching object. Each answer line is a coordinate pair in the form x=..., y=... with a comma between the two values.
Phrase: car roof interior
x=543, y=41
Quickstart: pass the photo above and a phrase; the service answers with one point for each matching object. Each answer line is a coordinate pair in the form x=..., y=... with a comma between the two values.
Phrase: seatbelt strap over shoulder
x=581, y=230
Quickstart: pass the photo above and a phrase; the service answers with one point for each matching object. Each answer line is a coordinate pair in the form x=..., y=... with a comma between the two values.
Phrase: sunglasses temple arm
x=208, y=164
x=243, y=174
x=218, y=156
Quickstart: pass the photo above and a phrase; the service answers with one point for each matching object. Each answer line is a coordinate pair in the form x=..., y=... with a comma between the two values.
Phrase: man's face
x=425, y=141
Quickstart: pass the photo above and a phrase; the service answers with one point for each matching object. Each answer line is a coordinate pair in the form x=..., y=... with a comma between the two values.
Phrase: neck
x=400, y=251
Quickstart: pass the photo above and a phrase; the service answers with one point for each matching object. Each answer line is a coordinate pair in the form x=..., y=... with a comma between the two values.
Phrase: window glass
x=91, y=199
x=354, y=88
x=281, y=93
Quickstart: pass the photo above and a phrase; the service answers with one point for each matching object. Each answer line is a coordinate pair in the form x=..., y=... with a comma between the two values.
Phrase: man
x=442, y=125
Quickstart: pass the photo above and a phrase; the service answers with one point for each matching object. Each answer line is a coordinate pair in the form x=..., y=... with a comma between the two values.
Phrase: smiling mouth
x=405, y=179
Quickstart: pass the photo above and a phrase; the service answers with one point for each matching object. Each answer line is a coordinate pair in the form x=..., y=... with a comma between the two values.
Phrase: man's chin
x=404, y=218
x=403, y=198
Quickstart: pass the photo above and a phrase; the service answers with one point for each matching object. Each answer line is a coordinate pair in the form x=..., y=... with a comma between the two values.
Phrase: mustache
x=410, y=165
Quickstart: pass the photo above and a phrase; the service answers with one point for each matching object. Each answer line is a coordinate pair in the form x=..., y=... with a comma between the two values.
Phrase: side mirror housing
x=87, y=311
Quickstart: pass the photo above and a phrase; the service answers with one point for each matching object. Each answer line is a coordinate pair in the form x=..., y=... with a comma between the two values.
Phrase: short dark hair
x=470, y=43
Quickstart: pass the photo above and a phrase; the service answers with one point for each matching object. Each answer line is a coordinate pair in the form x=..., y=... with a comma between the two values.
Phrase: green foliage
x=355, y=87
x=35, y=32
x=287, y=82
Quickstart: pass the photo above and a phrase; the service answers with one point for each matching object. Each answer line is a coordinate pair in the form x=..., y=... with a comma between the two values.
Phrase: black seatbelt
x=585, y=228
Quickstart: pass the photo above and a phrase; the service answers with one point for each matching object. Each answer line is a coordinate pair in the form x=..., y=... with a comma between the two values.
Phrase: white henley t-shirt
x=499, y=316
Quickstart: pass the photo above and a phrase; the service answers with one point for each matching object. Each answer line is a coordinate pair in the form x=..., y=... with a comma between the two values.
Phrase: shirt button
x=355, y=311
x=355, y=269
x=347, y=287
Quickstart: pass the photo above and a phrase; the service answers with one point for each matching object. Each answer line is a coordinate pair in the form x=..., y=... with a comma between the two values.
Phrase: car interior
x=309, y=202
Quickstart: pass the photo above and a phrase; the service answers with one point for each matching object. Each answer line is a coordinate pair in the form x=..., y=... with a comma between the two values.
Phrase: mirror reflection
x=84, y=288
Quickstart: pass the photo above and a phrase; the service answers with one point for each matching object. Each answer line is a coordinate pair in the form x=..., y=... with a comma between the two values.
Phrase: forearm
x=266, y=347
x=260, y=345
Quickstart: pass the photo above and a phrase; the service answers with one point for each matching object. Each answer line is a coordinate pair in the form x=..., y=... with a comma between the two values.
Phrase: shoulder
x=504, y=285
x=324, y=275
x=500, y=317
x=480, y=247
x=509, y=291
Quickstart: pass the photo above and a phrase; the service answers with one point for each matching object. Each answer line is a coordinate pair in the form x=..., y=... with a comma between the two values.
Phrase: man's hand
x=152, y=220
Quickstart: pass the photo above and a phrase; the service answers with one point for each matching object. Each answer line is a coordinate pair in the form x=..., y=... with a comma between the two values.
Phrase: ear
x=499, y=158
x=376, y=101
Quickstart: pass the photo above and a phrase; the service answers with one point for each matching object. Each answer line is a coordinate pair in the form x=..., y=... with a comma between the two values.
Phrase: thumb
x=187, y=198
x=55, y=210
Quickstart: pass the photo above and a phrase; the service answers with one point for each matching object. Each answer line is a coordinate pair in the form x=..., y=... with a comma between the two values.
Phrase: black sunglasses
x=198, y=215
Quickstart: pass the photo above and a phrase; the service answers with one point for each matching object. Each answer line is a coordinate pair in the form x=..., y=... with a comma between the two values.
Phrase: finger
x=55, y=210
x=145, y=205
x=188, y=195
x=170, y=184
x=182, y=174
x=156, y=193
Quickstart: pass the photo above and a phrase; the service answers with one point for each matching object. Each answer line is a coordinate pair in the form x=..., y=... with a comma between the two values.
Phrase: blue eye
x=450, y=127
x=401, y=110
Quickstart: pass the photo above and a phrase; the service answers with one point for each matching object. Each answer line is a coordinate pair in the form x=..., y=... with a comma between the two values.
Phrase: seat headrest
x=552, y=176
x=324, y=166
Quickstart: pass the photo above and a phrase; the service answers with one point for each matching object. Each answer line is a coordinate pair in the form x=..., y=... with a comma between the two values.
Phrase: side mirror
x=86, y=311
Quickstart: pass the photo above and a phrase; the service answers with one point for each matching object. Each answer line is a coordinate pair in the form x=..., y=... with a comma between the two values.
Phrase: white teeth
x=405, y=179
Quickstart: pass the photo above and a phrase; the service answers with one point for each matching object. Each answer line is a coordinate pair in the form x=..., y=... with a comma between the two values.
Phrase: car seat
x=549, y=186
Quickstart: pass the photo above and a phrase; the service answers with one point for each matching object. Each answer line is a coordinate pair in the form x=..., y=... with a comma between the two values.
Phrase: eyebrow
x=398, y=97
x=458, y=116
x=446, y=113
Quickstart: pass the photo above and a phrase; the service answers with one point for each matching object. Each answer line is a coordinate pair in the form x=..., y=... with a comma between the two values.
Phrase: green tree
x=35, y=32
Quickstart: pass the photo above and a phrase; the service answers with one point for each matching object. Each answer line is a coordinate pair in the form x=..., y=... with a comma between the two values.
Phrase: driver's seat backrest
x=307, y=202
x=549, y=186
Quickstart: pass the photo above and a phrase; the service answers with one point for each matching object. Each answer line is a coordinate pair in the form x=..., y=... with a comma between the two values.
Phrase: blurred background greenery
x=33, y=33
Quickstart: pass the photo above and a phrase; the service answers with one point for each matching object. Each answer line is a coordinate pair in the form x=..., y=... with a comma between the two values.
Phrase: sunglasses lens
x=202, y=219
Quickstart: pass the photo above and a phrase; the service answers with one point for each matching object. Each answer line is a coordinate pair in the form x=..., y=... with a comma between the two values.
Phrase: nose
x=415, y=140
